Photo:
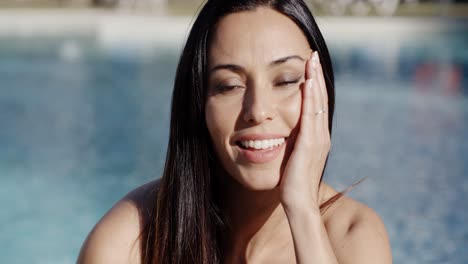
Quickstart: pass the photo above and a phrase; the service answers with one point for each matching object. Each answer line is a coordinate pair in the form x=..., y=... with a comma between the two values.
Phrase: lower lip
x=261, y=155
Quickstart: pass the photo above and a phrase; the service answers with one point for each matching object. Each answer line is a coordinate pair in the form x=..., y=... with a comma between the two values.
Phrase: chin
x=259, y=181
x=254, y=177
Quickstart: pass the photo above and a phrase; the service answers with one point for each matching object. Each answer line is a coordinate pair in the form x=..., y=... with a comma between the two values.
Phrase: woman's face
x=256, y=67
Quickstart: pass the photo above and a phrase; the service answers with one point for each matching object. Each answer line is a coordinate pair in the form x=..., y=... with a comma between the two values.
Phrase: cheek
x=219, y=121
x=212, y=117
x=290, y=108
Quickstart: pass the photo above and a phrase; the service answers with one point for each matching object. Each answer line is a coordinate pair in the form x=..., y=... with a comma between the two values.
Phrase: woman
x=250, y=134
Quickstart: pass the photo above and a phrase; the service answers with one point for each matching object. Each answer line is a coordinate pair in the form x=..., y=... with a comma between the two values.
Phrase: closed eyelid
x=240, y=69
x=229, y=81
x=288, y=74
x=289, y=77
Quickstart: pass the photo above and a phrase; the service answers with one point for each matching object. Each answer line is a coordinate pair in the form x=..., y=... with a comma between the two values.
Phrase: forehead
x=257, y=36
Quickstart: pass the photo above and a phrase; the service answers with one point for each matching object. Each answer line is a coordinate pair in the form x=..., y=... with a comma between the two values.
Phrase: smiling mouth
x=261, y=144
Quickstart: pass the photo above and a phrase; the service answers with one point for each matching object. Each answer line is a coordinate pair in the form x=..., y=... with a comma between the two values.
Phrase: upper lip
x=257, y=137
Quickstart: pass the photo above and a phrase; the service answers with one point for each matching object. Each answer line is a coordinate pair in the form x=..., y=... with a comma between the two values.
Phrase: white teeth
x=262, y=144
x=257, y=144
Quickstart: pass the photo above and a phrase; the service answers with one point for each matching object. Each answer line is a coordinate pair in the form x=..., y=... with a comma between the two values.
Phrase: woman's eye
x=286, y=83
x=225, y=88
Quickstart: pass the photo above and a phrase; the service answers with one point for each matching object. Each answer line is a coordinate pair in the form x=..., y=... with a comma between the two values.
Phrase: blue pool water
x=81, y=125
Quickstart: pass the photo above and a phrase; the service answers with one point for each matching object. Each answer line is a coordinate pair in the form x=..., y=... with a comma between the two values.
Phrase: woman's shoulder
x=115, y=238
x=355, y=230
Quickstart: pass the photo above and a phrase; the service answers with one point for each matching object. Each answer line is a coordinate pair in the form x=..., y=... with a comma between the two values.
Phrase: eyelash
x=225, y=88
x=285, y=83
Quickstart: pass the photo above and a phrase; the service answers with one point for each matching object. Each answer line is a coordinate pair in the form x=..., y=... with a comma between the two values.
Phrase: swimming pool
x=82, y=124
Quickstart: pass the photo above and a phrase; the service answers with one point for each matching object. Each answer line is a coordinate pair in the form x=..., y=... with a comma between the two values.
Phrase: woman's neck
x=257, y=221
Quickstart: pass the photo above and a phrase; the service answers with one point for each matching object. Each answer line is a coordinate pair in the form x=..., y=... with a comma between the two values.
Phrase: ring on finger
x=323, y=110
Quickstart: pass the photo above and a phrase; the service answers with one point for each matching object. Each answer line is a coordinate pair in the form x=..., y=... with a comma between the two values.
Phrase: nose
x=258, y=106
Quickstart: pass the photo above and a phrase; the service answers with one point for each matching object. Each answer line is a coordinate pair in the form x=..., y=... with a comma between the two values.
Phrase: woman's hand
x=300, y=181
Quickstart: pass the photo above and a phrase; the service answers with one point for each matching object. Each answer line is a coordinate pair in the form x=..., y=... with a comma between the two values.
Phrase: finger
x=323, y=91
x=321, y=80
x=307, y=110
x=307, y=106
x=317, y=97
x=309, y=69
x=311, y=103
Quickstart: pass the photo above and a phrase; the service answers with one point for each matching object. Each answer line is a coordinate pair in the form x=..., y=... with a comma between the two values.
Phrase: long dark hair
x=186, y=225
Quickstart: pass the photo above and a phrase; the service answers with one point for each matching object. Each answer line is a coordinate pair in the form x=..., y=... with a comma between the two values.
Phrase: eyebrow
x=238, y=68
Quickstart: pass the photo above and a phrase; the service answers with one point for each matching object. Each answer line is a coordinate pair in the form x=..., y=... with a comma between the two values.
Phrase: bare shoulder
x=116, y=237
x=356, y=232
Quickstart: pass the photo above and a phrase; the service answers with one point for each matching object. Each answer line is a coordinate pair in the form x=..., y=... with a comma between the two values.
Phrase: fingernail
x=314, y=59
